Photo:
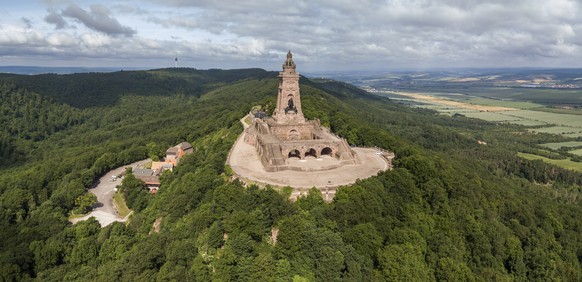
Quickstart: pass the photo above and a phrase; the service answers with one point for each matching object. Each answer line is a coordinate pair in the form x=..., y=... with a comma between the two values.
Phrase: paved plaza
x=245, y=163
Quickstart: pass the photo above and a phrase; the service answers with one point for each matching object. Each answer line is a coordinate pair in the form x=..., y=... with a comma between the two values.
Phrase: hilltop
x=451, y=209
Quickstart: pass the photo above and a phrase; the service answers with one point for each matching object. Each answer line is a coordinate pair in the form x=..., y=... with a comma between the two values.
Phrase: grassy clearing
x=556, y=146
x=119, y=203
x=74, y=215
x=576, y=152
x=504, y=103
x=566, y=163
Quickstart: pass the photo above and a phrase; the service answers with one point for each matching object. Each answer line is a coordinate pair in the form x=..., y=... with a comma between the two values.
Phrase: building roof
x=260, y=114
x=184, y=146
x=162, y=165
x=142, y=172
x=172, y=150
x=149, y=180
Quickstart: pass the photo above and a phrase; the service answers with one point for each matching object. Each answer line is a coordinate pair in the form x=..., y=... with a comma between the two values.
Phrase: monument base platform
x=325, y=173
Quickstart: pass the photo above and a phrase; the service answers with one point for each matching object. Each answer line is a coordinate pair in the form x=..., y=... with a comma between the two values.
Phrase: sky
x=324, y=35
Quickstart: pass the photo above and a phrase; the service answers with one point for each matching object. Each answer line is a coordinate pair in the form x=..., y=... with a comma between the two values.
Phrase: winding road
x=104, y=210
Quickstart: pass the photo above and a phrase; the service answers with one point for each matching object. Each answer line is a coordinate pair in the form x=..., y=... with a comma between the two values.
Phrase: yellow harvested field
x=451, y=103
x=466, y=79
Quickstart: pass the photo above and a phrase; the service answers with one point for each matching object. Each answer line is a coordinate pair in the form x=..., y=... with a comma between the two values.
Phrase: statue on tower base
x=287, y=140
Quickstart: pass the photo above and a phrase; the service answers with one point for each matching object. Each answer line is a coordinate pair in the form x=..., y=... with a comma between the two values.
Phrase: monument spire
x=289, y=98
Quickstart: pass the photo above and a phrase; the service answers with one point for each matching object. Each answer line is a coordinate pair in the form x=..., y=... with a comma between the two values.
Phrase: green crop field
x=550, y=118
x=566, y=163
x=561, y=130
x=534, y=95
x=576, y=152
x=556, y=146
x=556, y=121
x=491, y=116
x=560, y=111
x=573, y=135
x=503, y=103
x=528, y=122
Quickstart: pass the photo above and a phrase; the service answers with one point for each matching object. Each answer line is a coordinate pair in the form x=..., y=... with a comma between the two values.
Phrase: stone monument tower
x=289, y=100
x=287, y=137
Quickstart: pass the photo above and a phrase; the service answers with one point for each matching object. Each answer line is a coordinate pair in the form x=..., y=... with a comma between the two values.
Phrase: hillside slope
x=451, y=210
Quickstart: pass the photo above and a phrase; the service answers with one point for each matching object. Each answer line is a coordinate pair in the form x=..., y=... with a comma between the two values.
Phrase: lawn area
x=566, y=163
x=119, y=203
x=556, y=146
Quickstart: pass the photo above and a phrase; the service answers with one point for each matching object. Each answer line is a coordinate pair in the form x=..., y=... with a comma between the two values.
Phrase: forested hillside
x=451, y=210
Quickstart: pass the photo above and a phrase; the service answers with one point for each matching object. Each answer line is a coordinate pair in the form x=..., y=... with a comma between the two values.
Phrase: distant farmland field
x=561, y=111
x=504, y=103
x=526, y=122
x=560, y=130
x=550, y=118
x=556, y=146
x=491, y=116
x=567, y=163
x=545, y=96
x=567, y=123
x=576, y=152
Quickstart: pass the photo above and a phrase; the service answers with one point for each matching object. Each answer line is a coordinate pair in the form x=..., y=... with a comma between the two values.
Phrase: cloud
x=126, y=9
x=179, y=21
x=56, y=19
x=323, y=34
x=98, y=19
x=396, y=32
x=27, y=22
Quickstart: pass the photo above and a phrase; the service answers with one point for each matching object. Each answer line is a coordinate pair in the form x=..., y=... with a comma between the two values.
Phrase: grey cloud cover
x=55, y=18
x=325, y=34
x=99, y=19
x=403, y=30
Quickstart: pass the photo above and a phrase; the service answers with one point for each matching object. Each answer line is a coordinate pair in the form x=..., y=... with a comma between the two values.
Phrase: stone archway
x=290, y=104
x=327, y=151
x=294, y=154
x=293, y=134
x=311, y=153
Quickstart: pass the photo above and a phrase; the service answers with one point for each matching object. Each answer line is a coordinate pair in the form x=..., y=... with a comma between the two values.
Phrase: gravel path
x=104, y=211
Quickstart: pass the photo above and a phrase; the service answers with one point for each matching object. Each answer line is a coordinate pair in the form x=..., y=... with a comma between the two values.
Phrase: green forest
x=450, y=210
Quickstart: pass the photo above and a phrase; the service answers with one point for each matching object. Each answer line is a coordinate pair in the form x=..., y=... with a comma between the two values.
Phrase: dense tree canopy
x=451, y=210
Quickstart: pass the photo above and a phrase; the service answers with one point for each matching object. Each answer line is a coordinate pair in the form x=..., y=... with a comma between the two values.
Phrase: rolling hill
x=451, y=209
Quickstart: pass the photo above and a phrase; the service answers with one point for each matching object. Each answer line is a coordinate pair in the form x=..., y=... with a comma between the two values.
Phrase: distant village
x=151, y=176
